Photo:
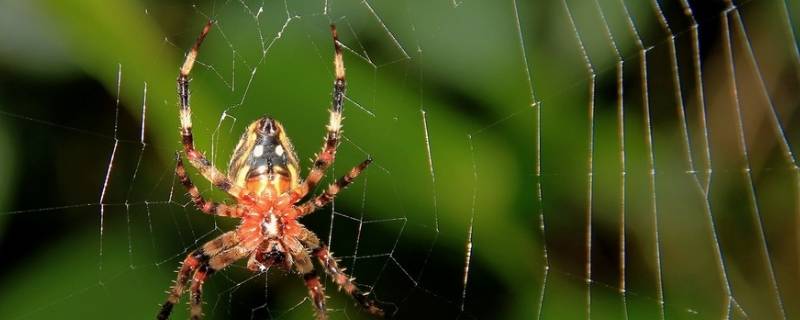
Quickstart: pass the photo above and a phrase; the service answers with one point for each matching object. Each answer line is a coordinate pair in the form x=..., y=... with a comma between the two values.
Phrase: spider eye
x=264, y=158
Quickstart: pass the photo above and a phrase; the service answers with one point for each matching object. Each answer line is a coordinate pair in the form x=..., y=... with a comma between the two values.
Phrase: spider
x=263, y=177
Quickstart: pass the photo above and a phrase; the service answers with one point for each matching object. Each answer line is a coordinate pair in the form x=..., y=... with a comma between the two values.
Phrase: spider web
x=568, y=159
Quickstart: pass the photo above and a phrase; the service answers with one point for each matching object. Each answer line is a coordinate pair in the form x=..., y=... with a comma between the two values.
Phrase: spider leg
x=334, y=128
x=216, y=263
x=345, y=282
x=332, y=190
x=196, y=158
x=304, y=266
x=317, y=293
x=308, y=238
x=209, y=207
x=196, y=291
x=326, y=259
x=193, y=261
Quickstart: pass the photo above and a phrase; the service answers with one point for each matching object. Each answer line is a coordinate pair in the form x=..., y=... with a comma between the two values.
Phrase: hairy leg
x=316, y=290
x=332, y=190
x=193, y=261
x=216, y=263
x=209, y=207
x=334, y=128
x=317, y=293
x=196, y=158
x=345, y=282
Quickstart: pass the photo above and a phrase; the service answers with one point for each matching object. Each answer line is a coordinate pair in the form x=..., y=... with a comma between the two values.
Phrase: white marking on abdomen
x=258, y=150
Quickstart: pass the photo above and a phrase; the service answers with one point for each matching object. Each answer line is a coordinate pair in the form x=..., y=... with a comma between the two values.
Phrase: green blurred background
x=590, y=174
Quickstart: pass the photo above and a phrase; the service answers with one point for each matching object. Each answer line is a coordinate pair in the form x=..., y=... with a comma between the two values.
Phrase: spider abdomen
x=264, y=161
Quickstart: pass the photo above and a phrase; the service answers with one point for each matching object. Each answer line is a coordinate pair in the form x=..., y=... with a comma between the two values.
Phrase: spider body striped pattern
x=264, y=179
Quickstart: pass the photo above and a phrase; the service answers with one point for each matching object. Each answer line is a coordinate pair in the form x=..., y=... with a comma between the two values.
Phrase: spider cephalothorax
x=264, y=178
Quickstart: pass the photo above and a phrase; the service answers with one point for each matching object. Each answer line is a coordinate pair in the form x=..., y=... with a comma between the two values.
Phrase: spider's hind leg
x=333, y=129
x=196, y=158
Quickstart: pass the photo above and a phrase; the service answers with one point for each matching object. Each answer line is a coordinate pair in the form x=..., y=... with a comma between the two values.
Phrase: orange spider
x=263, y=177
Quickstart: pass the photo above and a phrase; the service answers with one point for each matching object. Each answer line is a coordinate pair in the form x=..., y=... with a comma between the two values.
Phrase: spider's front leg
x=317, y=293
x=216, y=263
x=344, y=281
x=196, y=158
x=299, y=248
x=196, y=260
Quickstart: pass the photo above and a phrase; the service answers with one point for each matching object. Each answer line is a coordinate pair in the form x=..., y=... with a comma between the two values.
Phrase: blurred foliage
x=486, y=75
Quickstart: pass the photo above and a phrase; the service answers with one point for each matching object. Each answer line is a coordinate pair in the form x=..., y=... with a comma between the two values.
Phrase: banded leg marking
x=332, y=190
x=317, y=293
x=334, y=127
x=346, y=283
x=216, y=263
x=195, y=260
x=209, y=207
x=196, y=158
